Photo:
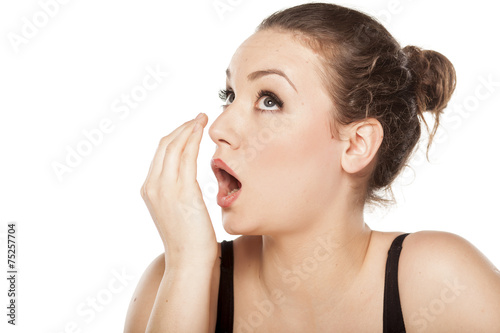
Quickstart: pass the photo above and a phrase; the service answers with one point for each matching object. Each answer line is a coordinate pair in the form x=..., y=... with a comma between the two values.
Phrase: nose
x=226, y=129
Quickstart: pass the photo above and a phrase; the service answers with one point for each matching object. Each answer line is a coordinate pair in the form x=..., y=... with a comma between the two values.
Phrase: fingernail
x=199, y=115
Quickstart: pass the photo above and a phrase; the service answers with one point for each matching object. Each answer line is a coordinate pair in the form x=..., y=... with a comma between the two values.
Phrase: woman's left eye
x=267, y=101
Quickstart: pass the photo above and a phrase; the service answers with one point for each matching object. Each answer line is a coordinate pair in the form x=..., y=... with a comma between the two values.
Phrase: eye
x=268, y=101
x=227, y=96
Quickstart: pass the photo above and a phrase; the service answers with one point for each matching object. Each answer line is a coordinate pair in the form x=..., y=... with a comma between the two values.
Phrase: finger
x=188, y=165
x=173, y=151
x=157, y=162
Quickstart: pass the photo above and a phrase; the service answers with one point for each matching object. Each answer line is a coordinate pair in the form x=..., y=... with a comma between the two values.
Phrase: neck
x=317, y=265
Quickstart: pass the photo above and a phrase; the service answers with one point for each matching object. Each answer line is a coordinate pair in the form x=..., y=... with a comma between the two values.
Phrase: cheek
x=298, y=166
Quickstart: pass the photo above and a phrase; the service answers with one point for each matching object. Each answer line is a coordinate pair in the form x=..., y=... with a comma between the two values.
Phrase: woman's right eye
x=227, y=96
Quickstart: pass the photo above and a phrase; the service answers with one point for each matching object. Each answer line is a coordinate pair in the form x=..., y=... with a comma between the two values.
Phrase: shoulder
x=144, y=296
x=443, y=253
x=447, y=284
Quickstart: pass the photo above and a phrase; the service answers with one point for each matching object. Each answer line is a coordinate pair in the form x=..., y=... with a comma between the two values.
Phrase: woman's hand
x=175, y=201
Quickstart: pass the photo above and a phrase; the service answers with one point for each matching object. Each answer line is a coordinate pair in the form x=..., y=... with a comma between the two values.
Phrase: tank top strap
x=225, y=301
x=393, y=315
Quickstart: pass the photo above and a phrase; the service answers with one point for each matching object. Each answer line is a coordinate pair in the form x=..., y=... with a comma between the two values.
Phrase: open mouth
x=229, y=184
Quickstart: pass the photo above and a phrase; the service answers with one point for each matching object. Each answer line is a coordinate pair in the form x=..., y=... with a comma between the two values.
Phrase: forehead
x=271, y=49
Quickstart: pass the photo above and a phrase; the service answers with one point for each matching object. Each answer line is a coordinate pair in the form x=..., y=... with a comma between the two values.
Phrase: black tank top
x=392, y=318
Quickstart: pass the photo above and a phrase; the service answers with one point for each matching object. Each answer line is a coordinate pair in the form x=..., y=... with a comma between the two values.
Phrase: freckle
x=166, y=301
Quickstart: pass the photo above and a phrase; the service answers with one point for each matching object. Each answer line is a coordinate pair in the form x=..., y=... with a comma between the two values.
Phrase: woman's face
x=275, y=135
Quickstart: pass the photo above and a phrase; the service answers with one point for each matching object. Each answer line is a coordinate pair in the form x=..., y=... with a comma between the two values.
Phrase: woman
x=340, y=105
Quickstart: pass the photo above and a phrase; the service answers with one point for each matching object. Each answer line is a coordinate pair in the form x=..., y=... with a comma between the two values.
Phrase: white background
x=77, y=233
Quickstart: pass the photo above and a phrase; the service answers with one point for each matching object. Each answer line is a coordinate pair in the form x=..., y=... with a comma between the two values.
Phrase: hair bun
x=434, y=81
x=435, y=78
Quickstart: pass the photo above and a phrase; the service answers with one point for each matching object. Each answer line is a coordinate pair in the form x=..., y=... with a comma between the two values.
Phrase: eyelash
x=225, y=93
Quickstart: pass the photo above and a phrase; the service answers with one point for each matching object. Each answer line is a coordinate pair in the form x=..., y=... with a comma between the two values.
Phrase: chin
x=240, y=227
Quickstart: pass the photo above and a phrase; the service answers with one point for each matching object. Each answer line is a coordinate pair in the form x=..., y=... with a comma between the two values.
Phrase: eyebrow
x=258, y=74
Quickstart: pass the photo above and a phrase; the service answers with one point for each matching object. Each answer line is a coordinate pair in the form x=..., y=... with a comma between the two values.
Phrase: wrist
x=190, y=263
x=187, y=257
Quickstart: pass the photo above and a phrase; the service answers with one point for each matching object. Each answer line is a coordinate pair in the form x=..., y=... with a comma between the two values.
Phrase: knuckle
x=186, y=156
x=169, y=149
x=148, y=190
x=164, y=140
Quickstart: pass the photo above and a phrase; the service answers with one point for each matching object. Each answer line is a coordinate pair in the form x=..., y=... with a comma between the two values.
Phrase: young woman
x=341, y=106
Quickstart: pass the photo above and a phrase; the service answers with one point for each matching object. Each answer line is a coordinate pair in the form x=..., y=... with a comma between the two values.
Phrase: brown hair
x=368, y=74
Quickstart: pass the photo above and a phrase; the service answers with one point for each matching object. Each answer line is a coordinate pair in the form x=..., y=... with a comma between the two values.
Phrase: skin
x=317, y=266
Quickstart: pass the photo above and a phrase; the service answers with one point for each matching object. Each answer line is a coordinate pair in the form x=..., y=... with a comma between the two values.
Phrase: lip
x=224, y=200
x=217, y=163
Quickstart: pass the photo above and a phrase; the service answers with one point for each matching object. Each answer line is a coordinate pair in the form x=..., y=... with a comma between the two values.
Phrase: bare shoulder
x=447, y=284
x=144, y=296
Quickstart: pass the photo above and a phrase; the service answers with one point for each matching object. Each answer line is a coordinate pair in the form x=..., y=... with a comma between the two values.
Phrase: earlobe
x=364, y=139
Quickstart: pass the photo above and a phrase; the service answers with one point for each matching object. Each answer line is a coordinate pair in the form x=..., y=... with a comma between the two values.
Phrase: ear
x=363, y=140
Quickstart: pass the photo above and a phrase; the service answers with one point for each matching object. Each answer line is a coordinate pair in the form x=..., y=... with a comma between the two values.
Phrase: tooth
x=234, y=190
